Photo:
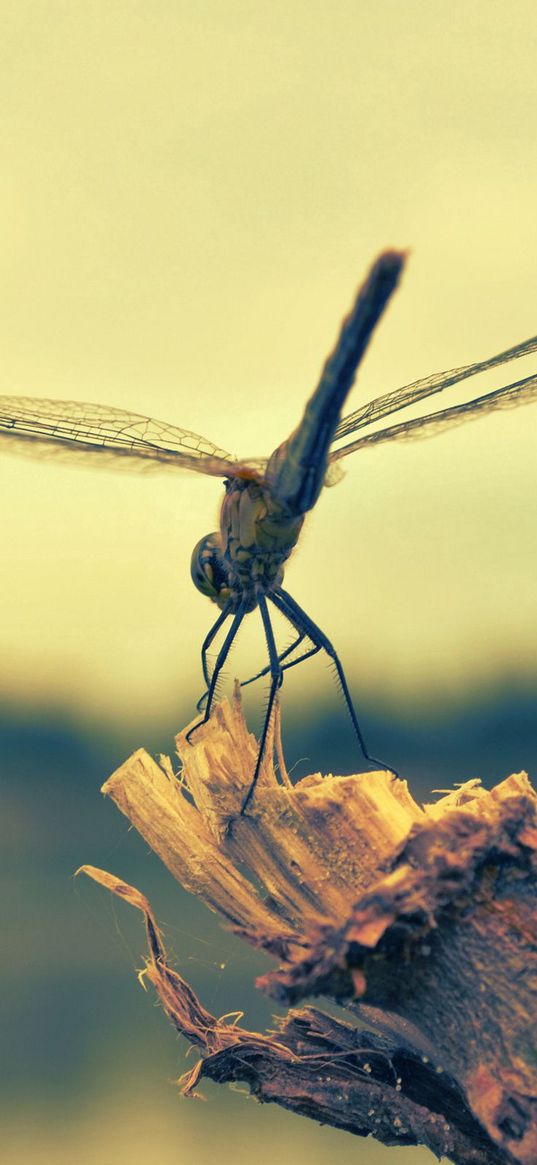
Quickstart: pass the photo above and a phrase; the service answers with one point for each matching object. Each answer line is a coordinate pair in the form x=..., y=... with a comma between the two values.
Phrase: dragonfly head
x=207, y=570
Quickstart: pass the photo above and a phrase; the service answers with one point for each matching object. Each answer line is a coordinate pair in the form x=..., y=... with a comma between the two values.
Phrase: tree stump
x=419, y=921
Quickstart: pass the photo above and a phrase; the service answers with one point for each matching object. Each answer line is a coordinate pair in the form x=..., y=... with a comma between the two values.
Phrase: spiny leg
x=220, y=661
x=205, y=647
x=264, y=671
x=288, y=650
x=209, y=639
x=306, y=655
x=200, y=704
x=284, y=775
x=287, y=605
x=276, y=674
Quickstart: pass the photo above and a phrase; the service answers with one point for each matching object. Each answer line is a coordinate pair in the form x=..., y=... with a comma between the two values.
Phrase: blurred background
x=190, y=194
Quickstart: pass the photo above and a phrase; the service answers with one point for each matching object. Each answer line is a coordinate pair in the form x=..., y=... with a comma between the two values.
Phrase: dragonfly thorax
x=246, y=557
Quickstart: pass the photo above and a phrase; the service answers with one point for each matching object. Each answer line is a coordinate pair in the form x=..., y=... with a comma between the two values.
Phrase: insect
x=240, y=567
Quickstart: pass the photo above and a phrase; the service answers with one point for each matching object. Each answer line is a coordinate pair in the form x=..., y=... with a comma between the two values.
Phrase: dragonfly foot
x=200, y=706
x=247, y=799
x=194, y=729
x=380, y=764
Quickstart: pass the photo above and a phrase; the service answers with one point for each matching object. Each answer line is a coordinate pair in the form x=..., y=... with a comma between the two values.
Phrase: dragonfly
x=240, y=567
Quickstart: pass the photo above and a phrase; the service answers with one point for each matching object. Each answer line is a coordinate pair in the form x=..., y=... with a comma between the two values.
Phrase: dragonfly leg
x=220, y=661
x=209, y=639
x=292, y=647
x=305, y=655
x=204, y=649
x=287, y=605
x=288, y=650
x=276, y=677
x=200, y=704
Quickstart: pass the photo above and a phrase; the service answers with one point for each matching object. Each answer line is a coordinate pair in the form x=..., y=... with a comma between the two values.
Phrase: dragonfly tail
x=296, y=470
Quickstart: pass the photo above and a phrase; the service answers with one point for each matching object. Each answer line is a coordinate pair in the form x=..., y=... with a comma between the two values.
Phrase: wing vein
x=520, y=392
x=400, y=398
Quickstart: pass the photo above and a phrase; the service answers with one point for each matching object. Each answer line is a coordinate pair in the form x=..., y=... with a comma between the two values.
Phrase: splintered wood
x=305, y=848
x=420, y=921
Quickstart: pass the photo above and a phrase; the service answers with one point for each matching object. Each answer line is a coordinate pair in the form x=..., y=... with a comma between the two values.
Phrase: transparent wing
x=111, y=437
x=391, y=402
x=520, y=392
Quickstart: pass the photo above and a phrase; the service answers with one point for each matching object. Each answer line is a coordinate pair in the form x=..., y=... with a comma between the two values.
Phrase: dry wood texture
x=420, y=921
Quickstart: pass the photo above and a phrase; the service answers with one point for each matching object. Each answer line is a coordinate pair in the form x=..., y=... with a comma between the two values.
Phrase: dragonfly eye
x=207, y=571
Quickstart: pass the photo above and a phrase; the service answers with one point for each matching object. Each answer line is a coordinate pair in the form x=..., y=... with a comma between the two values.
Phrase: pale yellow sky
x=189, y=195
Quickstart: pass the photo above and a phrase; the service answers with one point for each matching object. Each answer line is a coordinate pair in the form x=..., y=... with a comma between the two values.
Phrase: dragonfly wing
x=113, y=438
x=391, y=402
x=520, y=392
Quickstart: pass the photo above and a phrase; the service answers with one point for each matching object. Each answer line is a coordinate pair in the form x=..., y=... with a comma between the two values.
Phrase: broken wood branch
x=420, y=921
